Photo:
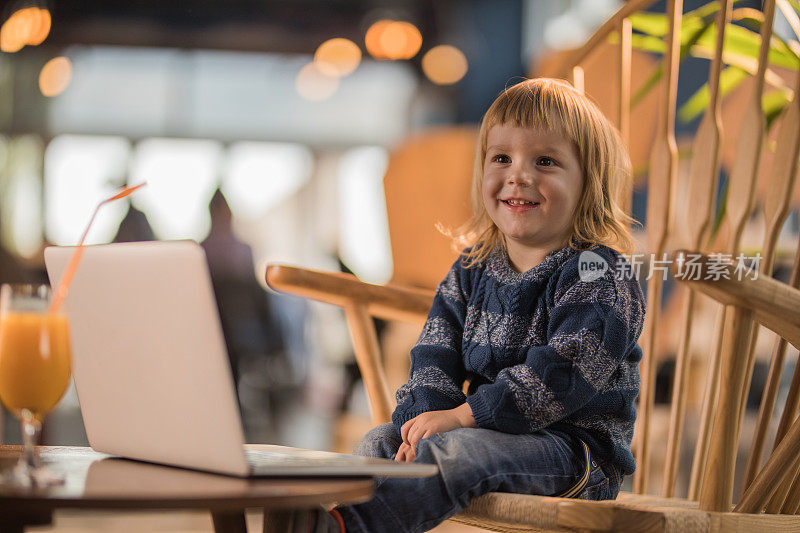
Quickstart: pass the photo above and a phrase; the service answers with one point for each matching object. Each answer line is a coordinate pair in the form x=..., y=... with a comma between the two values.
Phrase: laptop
x=152, y=373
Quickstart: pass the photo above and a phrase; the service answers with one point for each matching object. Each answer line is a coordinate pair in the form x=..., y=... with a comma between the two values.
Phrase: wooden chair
x=770, y=494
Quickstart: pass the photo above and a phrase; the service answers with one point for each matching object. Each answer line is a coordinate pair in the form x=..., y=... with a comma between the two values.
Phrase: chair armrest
x=360, y=301
x=774, y=304
x=390, y=302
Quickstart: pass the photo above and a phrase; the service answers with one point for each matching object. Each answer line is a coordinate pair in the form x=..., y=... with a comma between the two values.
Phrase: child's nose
x=521, y=177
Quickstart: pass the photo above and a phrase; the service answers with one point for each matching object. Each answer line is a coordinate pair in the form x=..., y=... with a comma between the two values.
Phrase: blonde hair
x=554, y=105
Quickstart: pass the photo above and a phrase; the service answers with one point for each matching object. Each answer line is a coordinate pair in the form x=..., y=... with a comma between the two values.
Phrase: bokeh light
x=444, y=64
x=55, y=76
x=372, y=40
x=38, y=36
x=313, y=84
x=337, y=57
x=400, y=40
x=13, y=34
x=27, y=26
x=388, y=39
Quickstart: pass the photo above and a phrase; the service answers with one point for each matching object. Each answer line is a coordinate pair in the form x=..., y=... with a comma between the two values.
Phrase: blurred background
x=265, y=130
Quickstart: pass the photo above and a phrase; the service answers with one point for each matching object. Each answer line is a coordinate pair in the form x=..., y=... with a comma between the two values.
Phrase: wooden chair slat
x=663, y=171
x=367, y=350
x=778, y=498
x=754, y=298
x=717, y=490
x=709, y=405
x=703, y=179
x=791, y=406
x=770, y=393
x=776, y=208
x=793, y=397
x=792, y=502
x=742, y=182
x=782, y=180
x=779, y=466
x=679, y=394
x=765, y=410
x=624, y=114
x=740, y=204
x=577, y=79
x=599, y=36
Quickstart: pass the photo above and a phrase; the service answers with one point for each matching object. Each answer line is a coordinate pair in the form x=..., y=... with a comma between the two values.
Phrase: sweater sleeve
x=437, y=369
x=592, y=327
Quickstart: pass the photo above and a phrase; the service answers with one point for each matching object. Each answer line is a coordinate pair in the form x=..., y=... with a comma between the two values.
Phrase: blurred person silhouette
x=134, y=227
x=252, y=332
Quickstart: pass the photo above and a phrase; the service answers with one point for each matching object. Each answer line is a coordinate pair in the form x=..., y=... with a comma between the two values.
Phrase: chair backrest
x=428, y=184
x=732, y=359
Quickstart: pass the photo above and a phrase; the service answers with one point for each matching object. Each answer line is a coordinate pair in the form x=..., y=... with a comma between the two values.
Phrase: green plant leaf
x=656, y=24
x=773, y=103
x=648, y=43
x=720, y=213
x=645, y=40
x=742, y=41
x=729, y=79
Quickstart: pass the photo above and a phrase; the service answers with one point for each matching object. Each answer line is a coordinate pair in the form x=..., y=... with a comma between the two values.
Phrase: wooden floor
x=163, y=522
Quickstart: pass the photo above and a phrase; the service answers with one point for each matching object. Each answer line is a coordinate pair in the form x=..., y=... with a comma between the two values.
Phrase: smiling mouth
x=520, y=203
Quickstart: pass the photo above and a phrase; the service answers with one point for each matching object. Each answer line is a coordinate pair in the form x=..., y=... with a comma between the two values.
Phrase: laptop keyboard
x=303, y=458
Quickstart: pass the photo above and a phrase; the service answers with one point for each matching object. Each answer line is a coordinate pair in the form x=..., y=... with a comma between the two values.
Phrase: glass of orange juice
x=34, y=370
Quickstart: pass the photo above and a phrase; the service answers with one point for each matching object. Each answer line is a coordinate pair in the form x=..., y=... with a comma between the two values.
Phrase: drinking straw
x=69, y=273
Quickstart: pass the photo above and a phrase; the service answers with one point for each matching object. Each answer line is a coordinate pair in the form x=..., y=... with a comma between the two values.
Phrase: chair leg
x=277, y=521
x=229, y=521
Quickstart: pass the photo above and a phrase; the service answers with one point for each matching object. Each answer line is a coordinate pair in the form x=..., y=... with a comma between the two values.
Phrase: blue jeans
x=474, y=461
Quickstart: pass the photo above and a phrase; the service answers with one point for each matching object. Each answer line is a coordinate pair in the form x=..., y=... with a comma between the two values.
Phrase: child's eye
x=501, y=158
x=545, y=162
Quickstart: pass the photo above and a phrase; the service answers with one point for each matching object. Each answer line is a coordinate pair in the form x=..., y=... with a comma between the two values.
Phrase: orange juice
x=34, y=361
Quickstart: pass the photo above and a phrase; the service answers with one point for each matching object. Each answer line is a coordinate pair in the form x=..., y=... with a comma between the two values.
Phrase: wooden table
x=98, y=481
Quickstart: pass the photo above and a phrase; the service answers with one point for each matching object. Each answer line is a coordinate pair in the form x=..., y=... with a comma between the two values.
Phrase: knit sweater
x=540, y=349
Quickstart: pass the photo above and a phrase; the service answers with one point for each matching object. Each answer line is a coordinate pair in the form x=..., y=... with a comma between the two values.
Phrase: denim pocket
x=596, y=492
x=598, y=486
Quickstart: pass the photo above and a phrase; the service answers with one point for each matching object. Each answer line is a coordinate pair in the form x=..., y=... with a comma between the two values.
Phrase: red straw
x=69, y=273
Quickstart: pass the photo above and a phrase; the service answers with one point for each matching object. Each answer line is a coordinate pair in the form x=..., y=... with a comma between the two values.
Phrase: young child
x=547, y=343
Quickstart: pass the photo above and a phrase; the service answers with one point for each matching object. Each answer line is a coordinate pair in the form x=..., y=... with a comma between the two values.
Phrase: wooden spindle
x=577, y=79
x=624, y=115
x=780, y=464
x=792, y=499
x=365, y=342
x=717, y=490
x=708, y=409
x=663, y=170
x=778, y=501
x=777, y=204
x=770, y=393
x=739, y=207
x=703, y=179
x=598, y=37
x=793, y=397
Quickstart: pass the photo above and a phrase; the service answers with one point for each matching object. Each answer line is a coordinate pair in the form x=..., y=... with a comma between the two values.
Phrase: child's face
x=532, y=182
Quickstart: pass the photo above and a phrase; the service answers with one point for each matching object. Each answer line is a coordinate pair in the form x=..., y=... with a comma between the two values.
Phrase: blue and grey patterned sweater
x=540, y=349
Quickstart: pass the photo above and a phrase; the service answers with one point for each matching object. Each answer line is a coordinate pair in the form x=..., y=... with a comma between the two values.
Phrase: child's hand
x=431, y=423
x=405, y=453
